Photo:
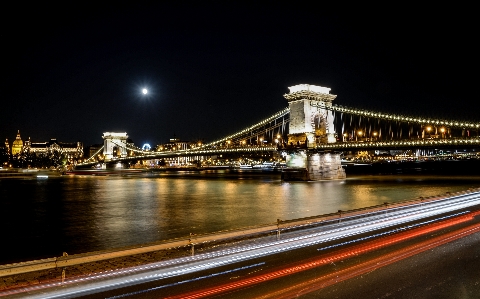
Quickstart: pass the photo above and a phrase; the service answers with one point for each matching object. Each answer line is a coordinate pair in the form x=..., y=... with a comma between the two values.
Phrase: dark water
x=42, y=218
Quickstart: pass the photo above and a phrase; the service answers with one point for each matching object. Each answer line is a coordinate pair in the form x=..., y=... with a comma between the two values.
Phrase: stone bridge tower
x=114, y=145
x=309, y=120
x=311, y=124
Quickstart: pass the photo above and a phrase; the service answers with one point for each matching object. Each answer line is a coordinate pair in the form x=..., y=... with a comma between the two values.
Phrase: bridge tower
x=114, y=145
x=311, y=124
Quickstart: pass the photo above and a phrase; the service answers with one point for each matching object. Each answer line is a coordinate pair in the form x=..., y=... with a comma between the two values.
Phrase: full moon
x=144, y=91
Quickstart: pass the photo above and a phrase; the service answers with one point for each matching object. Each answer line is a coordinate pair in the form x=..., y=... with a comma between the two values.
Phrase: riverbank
x=82, y=265
x=17, y=284
x=28, y=173
x=13, y=282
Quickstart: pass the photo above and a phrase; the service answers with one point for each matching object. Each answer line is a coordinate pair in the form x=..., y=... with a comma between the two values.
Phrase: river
x=42, y=218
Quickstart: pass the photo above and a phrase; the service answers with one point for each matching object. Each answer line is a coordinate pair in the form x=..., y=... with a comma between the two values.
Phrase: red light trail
x=342, y=254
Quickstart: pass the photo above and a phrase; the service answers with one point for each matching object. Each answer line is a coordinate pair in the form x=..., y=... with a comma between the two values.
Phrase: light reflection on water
x=80, y=214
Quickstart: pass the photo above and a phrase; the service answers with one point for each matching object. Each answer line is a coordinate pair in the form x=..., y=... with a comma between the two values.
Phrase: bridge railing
x=408, y=143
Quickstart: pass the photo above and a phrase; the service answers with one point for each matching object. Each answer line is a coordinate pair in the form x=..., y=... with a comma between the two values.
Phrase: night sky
x=74, y=72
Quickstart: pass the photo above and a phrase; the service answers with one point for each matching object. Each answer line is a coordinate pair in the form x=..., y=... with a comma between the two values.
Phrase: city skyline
x=212, y=69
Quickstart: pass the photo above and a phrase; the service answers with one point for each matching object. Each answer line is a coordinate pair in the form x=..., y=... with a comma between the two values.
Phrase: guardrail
x=281, y=225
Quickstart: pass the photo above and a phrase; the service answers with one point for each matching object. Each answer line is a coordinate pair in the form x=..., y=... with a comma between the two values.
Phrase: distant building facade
x=70, y=150
x=176, y=144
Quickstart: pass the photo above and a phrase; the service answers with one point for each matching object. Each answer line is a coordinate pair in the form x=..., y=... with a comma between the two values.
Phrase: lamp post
x=428, y=131
x=278, y=228
x=442, y=130
x=359, y=134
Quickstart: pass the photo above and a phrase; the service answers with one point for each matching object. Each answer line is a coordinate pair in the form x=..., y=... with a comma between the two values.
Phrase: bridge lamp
x=428, y=130
x=359, y=134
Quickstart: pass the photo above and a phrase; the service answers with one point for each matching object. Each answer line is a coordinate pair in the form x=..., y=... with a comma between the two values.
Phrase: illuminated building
x=71, y=151
x=176, y=144
x=17, y=146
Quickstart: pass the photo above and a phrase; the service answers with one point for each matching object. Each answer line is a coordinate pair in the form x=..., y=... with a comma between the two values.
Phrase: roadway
x=288, y=265
x=306, y=273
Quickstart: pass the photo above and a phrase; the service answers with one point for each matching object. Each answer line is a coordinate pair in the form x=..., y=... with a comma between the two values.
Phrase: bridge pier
x=307, y=165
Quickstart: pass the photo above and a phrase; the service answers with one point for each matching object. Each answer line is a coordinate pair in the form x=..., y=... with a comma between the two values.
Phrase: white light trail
x=346, y=228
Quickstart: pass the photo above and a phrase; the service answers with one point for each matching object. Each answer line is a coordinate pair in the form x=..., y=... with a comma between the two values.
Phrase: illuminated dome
x=17, y=145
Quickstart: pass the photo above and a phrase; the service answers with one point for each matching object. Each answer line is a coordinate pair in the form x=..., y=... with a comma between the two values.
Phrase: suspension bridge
x=312, y=126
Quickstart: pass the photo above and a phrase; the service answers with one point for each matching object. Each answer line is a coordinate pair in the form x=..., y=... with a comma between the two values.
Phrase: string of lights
x=244, y=132
x=401, y=118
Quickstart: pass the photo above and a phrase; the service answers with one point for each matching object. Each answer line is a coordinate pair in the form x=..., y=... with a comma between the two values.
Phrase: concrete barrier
x=77, y=259
x=31, y=266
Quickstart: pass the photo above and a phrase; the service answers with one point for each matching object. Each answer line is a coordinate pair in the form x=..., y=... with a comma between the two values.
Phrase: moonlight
x=144, y=91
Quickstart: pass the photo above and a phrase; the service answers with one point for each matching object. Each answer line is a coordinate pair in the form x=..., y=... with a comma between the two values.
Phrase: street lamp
x=428, y=131
x=442, y=130
x=359, y=134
